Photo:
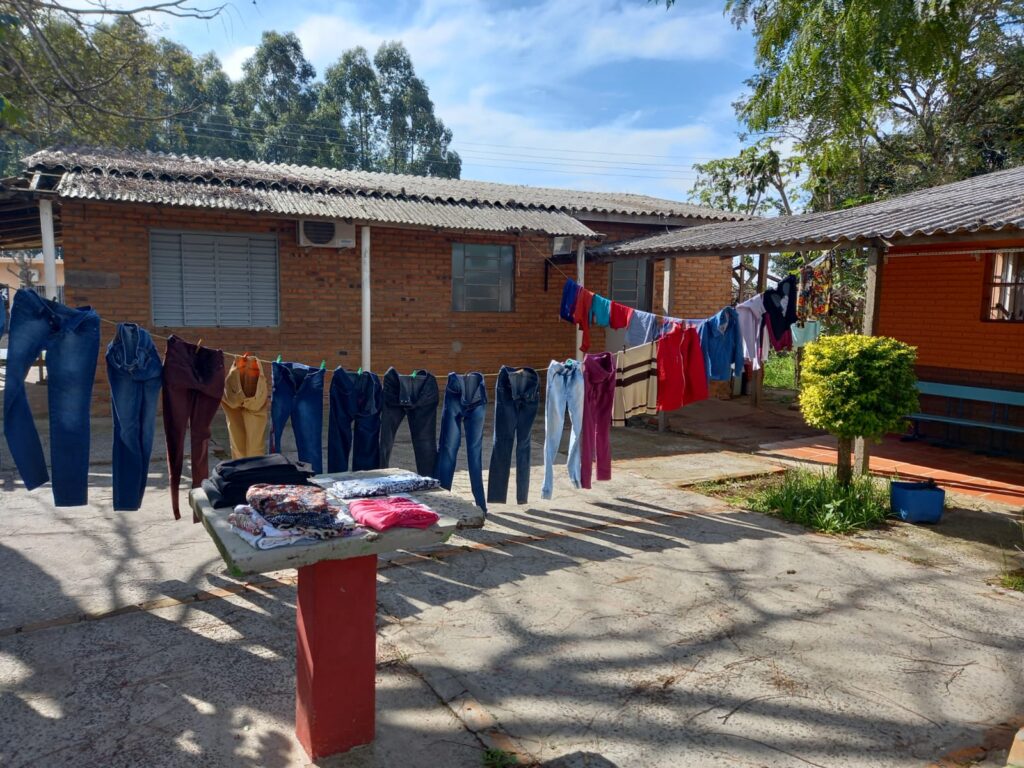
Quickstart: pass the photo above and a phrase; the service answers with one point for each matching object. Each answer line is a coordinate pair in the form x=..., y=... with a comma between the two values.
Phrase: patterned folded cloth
x=283, y=530
x=392, y=512
x=288, y=499
x=389, y=485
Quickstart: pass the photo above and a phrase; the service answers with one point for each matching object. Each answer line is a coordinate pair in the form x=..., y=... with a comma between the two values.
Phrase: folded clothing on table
x=230, y=480
x=388, y=485
x=380, y=514
x=275, y=499
x=267, y=532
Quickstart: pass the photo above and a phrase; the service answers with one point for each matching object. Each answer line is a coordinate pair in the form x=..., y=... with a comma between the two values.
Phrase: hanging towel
x=600, y=311
x=636, y=383
x=621, y=314
x=805, y=333
x=570, y=291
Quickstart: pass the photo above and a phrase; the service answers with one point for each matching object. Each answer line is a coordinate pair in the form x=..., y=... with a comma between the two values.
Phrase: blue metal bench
x=957, y=396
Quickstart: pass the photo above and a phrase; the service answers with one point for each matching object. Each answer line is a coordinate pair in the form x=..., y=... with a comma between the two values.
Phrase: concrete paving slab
x=209, y=684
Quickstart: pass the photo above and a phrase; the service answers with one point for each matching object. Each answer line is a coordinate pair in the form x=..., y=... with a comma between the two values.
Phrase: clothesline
x=262, y=360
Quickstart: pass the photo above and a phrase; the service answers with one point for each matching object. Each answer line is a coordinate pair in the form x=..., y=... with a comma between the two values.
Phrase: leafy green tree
x=757, y=181
x=857, y=386
x=349, y=100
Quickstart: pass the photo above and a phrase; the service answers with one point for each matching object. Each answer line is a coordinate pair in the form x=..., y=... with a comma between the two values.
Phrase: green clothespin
x=279, y=358
x=323, y=364
x=360, y=370
x=414, y=374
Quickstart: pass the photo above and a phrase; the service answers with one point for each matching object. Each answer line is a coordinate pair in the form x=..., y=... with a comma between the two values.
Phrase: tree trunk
x=844, y=461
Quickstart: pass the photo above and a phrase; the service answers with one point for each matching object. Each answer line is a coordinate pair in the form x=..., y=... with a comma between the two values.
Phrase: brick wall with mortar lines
x=935, y=304
x=413, y=325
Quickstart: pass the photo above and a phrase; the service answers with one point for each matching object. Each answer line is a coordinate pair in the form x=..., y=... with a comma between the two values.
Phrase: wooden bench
x=957, y=396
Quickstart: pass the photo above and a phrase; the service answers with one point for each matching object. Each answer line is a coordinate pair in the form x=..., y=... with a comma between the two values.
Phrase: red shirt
x=671, y=379
x=581, y=314
x=694, y=373
x=620, y=315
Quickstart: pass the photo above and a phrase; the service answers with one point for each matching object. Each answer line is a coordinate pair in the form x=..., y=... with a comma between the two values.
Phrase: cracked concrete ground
x=635, y=624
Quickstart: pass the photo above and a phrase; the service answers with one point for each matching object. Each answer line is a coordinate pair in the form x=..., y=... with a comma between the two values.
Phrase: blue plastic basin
x=917, y=502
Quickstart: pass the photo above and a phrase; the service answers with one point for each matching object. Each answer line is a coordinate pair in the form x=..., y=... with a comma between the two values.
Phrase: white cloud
x=488, y=64
x=233, y=61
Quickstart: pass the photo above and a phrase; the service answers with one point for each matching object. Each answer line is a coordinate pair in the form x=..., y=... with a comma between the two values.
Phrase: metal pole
x=364, y=241
x=581, y=257
x=49, y=248
x=667, y=290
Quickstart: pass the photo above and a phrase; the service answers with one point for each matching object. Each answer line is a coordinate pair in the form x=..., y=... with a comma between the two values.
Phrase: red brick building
x=946, y=274
x=458, y=275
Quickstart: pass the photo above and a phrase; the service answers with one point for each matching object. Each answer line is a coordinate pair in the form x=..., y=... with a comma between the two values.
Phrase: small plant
x=857, y=386
x=821, y=502
x=1012, y=580
x=780, y=371
x=499, y=758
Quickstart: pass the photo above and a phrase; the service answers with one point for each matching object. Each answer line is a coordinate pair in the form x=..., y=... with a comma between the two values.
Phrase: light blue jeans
x=564, y=392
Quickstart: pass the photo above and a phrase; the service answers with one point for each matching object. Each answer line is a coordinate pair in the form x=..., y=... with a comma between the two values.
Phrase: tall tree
x=349, y=100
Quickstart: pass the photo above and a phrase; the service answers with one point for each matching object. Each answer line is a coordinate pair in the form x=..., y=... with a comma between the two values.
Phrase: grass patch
x=780, y=371
x=817, y=500
x=499, y=758
x=1012, y=580
x=808, y=497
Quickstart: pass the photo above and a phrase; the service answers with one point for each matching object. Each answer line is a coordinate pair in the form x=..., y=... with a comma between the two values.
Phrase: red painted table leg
x=336, y=655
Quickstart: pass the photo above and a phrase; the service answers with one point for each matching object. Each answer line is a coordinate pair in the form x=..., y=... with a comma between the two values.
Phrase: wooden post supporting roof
x=872, y=297
x=581, y=258
x=757, y=385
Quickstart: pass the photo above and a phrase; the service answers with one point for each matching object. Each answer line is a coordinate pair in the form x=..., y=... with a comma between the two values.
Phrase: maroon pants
x=193, y=387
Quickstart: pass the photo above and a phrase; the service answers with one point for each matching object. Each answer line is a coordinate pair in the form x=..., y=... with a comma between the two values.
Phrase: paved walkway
x=999, y=480
x=635, y=624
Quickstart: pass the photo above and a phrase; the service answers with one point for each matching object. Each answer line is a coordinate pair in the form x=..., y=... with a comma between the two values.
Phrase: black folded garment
x=230, y=480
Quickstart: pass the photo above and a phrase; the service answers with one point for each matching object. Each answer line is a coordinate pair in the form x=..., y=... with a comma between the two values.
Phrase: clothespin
x=360, y=370
x=199, y=344
x=323, y=364
x=279, y=358
x=414, y=374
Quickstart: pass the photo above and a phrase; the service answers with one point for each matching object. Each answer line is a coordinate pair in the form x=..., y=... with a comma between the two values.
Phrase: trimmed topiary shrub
x=857, y=386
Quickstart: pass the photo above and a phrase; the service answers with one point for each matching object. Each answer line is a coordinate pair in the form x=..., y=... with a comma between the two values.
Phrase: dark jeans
x=414, y=397
x=299, y=395
x=354, y=423
x=465, y=401
x=515, y=408
x=71, y=339
x=134, y=372
x=193, y=387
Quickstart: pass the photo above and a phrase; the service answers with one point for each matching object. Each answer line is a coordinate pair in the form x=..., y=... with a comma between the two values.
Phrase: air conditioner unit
x=561, y=245
x=325, y=233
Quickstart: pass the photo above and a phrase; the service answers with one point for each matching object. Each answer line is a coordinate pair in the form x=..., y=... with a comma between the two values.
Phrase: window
x=631, y=283
x=483, y=277
x=1004, y=288
x=204, y=280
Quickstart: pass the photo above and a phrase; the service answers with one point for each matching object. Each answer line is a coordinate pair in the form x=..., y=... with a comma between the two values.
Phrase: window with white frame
x=1004, y=287
x=483, y=277
x=208, y=280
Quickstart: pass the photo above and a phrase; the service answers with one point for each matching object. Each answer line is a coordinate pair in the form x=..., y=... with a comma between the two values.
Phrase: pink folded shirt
x=391, y=512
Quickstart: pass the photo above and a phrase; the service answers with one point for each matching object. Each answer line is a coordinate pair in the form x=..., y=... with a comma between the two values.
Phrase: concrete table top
x=243, y=559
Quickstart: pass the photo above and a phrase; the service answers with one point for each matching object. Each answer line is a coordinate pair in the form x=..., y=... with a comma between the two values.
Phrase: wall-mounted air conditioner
x=325, y=233
x=561, y=245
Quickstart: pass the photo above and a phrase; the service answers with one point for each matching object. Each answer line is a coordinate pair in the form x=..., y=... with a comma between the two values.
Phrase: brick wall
x=935, y=304
x=107, y=246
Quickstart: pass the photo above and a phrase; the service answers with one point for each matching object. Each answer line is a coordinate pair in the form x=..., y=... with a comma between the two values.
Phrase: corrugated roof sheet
x=992, y=202
x=302, y=179
x=490, y=218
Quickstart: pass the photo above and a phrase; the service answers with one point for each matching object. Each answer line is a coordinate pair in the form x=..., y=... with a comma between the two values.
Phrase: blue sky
x=592, y=94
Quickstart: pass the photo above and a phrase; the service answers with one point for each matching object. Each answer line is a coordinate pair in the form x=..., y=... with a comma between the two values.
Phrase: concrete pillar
x=757, y=384
x=49, y=248
x=364, y=241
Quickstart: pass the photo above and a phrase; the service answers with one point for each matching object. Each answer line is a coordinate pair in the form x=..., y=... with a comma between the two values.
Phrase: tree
x=67, y=60
x=349, y=100
x=857, y=386
x=757, y=181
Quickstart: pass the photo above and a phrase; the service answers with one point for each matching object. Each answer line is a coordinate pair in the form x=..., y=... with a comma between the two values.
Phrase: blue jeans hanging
x=298, y=395
x=465, y=403
x=353, y=426
x=515, y=407
x=71, y=340
x=134, y=371
x=564, y=392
